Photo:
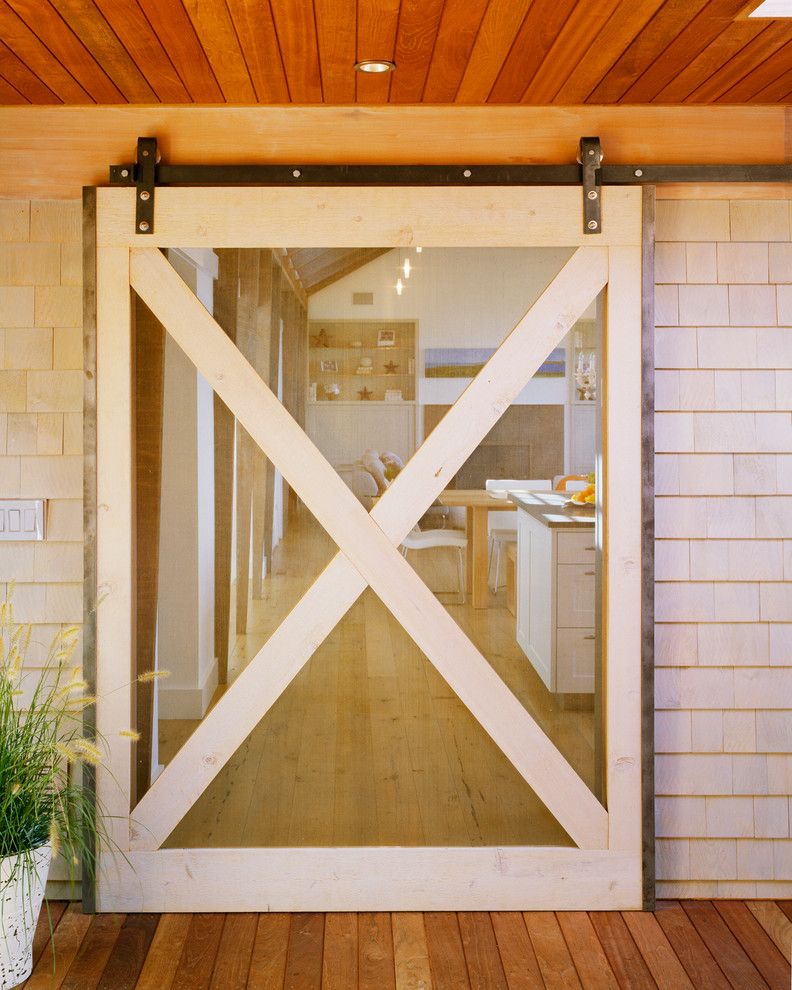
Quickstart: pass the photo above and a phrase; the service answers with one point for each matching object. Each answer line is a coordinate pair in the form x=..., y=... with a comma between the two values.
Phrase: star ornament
x=365, y=394
x=391, y=368
x=320, y=339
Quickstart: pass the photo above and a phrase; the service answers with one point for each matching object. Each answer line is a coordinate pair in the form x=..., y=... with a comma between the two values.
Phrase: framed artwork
x=467, y=362
x=328, y=365
x=386, y=338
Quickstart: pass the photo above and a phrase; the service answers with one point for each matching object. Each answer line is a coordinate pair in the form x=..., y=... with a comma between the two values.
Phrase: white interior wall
x=185, y=613
x=459, y=297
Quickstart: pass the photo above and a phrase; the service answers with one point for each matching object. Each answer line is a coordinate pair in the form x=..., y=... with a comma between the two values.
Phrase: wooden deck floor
x=723, y=945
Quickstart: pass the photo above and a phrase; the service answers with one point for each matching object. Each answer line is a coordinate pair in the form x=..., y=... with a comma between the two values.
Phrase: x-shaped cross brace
x=368, y=548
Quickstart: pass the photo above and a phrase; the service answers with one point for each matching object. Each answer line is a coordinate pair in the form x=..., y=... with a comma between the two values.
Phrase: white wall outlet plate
x=22, y=518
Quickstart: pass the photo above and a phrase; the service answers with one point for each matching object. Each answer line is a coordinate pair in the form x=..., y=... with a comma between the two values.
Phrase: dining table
x=477, y=503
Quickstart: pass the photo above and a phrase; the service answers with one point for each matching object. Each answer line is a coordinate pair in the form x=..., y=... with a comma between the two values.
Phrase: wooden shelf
x=345, y=433
x=365, y=347
x=361, y=402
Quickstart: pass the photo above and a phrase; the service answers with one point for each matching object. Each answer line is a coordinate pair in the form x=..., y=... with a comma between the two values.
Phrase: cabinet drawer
x=575, y=595
x=574, y=668
x=576, y=548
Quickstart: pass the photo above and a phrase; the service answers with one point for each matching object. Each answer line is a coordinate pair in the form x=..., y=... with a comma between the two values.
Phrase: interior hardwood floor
x=718, y=945
x=369, y=745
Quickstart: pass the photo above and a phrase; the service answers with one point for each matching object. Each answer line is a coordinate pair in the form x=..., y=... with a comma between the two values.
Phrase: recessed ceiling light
x=374, y=65
x=773, y=8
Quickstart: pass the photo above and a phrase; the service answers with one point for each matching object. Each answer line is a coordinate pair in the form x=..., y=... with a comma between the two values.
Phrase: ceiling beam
x=52, y=152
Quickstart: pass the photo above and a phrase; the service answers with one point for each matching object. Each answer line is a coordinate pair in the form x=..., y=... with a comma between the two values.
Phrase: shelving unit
x=350, y=345
x=346, y=424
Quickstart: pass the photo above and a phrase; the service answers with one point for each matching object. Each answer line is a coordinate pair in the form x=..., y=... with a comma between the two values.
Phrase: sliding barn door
x=373, y=660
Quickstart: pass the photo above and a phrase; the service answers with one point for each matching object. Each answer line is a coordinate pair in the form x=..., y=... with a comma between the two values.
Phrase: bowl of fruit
x=587, y=495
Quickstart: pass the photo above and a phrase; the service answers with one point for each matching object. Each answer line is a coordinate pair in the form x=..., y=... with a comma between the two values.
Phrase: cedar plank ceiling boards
x=471, y=52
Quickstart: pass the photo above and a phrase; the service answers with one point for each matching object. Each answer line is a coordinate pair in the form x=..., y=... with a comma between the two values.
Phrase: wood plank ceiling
x=447, y=51
x=315, y=268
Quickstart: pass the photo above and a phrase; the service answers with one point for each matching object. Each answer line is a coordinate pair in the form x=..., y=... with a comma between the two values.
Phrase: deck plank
x=516, y=952
x=663, y=963
x=376, y=967
x=720, y=945
x=410, y=952
x=757, y=944
x=340, y=959
x=49, y=973
x=304, y=959
x=481, y=950
x=775, y=923
x=689, y=948
x=94, y=952
x=739, y=969
x=129, y=952
x=786, y=907
x=626, y=960
x=587, y=953
x=446, y=954
x=197, y=960
x=234, y=952
x=268, y=963
x=164, y=952
x=552, y=954
x=51, y=914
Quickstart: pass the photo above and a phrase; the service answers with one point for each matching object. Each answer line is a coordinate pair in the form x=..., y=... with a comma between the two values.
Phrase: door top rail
x=589, y=173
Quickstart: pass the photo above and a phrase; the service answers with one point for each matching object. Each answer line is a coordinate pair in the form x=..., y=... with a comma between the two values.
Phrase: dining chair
x=429, y=539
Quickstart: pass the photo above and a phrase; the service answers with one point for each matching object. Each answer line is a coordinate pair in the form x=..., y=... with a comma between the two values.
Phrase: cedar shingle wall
x=723, y=690
x=41, y=392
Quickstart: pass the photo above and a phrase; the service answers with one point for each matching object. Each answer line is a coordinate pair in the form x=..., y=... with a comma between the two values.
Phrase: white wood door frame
x=605, y=869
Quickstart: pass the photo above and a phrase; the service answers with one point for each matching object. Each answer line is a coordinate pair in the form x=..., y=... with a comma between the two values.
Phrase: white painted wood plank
x=368, y=547
x=370, y=217
x=510, y=878
x=622, y=564
x=114, y=536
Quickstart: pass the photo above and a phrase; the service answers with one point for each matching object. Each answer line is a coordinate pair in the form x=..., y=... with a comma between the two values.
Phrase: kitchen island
x=555, y=593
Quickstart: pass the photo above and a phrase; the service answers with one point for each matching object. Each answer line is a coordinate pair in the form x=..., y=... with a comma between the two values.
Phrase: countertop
x=550, y=509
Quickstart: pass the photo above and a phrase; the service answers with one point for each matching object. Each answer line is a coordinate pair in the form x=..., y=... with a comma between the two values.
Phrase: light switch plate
x=22, y=518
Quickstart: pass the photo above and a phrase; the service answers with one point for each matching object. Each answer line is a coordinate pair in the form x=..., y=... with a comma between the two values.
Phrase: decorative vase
x=22, y=885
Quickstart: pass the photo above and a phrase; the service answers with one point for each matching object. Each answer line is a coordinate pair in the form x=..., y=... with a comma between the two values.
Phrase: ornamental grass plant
x=42, y=745
x=44, y=755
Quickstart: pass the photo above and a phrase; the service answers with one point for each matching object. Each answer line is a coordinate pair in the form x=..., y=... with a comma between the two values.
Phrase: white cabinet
x=555, y=603
x=534, y=594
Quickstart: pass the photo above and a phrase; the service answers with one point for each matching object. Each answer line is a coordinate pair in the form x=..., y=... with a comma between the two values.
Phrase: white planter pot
x=21, y=894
